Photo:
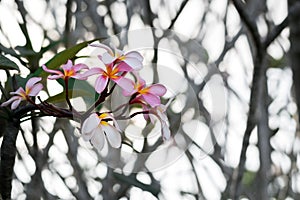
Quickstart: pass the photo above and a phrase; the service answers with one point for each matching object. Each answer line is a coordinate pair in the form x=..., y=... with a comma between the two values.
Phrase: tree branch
x=8, y=154
x=256, y=92
x=293, y=12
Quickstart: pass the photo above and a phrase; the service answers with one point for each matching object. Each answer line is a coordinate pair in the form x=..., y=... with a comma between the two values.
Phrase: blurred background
x=234, y=118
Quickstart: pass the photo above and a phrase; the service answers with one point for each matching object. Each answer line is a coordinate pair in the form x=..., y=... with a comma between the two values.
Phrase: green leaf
x=77, y=88
x=61, y=97
x=61, y=58
x=7, y=64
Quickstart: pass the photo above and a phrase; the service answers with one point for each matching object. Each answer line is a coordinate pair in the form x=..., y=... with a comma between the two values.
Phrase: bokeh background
x=234, y=113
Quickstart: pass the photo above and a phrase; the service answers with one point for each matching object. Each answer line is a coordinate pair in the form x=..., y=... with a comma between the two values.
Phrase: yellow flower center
x=111, y=73
x=69, y=73
x=105, y=123
x=101, y=117
x=144, y=91
x=121, y=58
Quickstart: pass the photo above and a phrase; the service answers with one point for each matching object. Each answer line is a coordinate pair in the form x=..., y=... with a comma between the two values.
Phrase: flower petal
x=123, y=67
x=32, y=81
x=145, y=108
x=112, y=135
x=127, y=93
x=125, y=83
x=153, y=100
x=35, y=89
x=68, y=66
x=116, y=125
x=157, y=89
x=9, y=101
x=103, y=46
x=118, y=53
x=107, y=58
x=166, y=133
x=140, y=82
x=53, y=77
x=90, y=124
x=19, y=91
x=79, y=67
x=51, y=71
x=134, y=63
x=16, y=103
x=98, y=138
x=93, y=71
x=161, y=112
x=101, y=83
x=139, y=100
x=134, y=54
x=79, y=77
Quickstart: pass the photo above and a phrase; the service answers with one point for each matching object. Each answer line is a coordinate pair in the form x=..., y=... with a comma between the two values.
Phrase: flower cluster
x=101, y=128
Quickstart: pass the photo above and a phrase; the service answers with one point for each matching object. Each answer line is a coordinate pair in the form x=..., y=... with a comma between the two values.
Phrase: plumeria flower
x=97, y=130
x=32, y=88
x=114, y=73
x=68, y=70
x=132, y=59
x=160, y=112
x=150, y=94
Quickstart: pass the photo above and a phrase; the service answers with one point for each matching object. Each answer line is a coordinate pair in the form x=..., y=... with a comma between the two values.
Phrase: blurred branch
x=67, y=32
x=190, y=157
x=228, y=45
x=249, y=22
x=156, y=41
x=256, y=92
x=72, y=142
x=23, y=26
x=183, y=4
x=273, y=34
x=132, y=180
x=264, y=136
x=8, y=154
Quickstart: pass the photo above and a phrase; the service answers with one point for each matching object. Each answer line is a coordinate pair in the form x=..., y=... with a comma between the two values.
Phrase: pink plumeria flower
x=150, y=94
x=68, y=70
x=32, y=88
x=132, y=59
x=160, y=112
x=114, y=73
x=97, y=130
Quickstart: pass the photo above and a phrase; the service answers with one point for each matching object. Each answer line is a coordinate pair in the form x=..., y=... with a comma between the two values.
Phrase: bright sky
x=236, y=64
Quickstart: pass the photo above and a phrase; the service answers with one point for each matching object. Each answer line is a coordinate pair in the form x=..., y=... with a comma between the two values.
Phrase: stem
x=67, y=93
x=101, y=99
x=132, y=115
x=33, y=103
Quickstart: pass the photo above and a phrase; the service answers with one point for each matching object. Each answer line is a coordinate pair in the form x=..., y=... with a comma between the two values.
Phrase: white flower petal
x=165, y=131
x=90, y=123
x=134, y=63
x=87, y=136
x=12, y=99
x=32, y=81
x=103, y=46
x=118, y=53
x=97, y=139
x=107, y=58
x=15, y=104
x=113, y=135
